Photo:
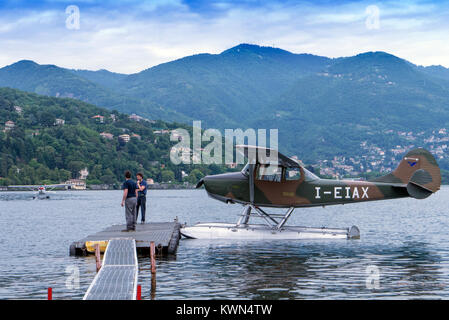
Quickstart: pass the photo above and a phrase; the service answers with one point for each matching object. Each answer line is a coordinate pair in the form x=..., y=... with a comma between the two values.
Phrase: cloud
x=129, y=36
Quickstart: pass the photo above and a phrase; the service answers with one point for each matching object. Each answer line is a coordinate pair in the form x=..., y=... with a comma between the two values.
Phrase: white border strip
x=136, y=271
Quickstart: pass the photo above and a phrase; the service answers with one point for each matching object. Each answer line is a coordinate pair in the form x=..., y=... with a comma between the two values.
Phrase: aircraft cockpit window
x=271, y=173
x=292, y=174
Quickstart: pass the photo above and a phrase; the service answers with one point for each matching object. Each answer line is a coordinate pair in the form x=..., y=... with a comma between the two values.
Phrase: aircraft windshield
x=309, y=176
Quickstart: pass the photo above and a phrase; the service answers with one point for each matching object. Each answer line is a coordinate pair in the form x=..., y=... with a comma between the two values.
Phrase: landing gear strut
x=269, y=218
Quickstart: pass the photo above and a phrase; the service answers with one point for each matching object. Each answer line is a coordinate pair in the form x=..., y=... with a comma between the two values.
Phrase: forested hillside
x=39, y=150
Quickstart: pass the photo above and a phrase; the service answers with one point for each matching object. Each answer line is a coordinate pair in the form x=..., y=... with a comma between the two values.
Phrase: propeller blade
x=199, y=184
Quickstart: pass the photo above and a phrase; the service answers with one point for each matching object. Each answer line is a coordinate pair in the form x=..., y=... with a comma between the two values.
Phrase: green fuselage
x=234, y=187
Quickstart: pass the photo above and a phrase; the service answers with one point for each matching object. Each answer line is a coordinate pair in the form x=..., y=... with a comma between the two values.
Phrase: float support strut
x=284, y=220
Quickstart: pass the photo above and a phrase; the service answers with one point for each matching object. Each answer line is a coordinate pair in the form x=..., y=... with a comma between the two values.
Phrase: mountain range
x=321, y=106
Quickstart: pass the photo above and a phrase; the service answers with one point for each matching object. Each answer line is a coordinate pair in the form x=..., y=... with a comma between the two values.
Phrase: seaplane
x=273, y=180
x=41, y=191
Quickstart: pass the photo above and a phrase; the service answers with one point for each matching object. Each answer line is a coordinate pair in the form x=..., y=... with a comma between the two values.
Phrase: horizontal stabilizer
x=417, y=191
x=416, y=186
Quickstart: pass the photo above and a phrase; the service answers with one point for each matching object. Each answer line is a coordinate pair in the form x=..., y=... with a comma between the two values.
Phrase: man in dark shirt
x=129, y=201
x=141, y=196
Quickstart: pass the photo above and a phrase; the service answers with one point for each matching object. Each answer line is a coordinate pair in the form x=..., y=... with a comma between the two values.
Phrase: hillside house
x=18, y=109
x=107, y=135
x=59, y=122
x=99, y=118
x=124, y=137
x=9, y=125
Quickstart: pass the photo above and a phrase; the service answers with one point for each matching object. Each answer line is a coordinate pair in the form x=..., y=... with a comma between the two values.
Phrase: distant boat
x=41, y=190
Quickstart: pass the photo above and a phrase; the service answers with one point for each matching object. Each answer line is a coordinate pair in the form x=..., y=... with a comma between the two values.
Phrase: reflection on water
x=259, y=270
x=405, y=240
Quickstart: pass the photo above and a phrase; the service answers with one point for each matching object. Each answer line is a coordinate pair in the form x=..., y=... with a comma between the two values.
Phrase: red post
x=139, y=292
x=97, y=256
x=153, y=257
x=50, y=294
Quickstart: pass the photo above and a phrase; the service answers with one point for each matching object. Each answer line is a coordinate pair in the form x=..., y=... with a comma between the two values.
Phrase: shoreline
x=90, y=188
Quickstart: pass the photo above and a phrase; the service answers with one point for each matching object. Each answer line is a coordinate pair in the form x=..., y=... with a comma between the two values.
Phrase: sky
x=129, y=36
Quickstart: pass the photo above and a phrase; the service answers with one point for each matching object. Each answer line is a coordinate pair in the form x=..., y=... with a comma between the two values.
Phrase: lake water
x=404, y=245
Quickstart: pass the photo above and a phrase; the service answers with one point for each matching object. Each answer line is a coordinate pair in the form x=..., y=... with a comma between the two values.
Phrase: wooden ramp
x=117, y=278
x=165, y=236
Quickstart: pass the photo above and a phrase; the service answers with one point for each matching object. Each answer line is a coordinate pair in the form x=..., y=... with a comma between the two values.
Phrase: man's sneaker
x=142, y=222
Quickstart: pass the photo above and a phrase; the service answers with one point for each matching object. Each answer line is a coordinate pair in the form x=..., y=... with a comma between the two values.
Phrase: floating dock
x=117, y=278
x=165, y=236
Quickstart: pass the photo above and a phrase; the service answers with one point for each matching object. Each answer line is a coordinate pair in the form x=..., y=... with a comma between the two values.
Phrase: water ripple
x=405, y=240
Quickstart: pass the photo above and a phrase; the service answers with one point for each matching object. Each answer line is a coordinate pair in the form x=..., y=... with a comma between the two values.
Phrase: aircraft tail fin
x=418, y=171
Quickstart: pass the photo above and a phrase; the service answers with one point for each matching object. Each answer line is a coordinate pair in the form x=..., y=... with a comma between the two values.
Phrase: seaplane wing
x=263, y=155
x=28, y=187
x=39, y=187
x=53, y=186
